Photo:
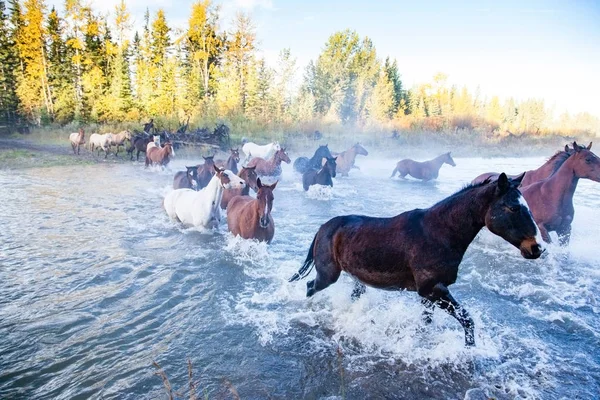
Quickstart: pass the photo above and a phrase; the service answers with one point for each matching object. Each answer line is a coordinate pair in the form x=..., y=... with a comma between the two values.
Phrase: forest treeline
x=81, y=66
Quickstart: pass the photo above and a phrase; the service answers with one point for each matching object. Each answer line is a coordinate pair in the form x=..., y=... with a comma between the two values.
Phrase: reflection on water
x=96, y=283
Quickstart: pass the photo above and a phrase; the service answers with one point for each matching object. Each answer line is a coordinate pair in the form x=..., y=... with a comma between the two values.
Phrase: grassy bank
x=20, y=158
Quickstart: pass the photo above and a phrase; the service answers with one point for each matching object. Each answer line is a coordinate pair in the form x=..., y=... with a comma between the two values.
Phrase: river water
x=96, y=284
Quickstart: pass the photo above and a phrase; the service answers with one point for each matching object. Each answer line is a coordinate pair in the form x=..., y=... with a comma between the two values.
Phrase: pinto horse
x=426, y=170
x=551, y=199
x=186, y=179
x=303, y=164
x=271, y=167
x=322, y=176
x=77, y=139
x=201, y=208
x=421, y=250
x=251, y=218
x=346, y=159
x=232, y=162
x=159, y=155
x=248, y=174
x=206, y=171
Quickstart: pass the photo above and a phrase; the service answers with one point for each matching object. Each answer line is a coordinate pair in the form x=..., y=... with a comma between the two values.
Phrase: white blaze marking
x=538, y=235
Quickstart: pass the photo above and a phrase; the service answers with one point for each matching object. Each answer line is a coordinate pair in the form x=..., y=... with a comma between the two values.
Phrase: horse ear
x=589, y=146
x=567, y=149
x=503, y=184
x=517, y=181
x=217, y=169
x=259, y=183
x=335, y=158
x=274, y=185
x=204, y=157
x=576, y=147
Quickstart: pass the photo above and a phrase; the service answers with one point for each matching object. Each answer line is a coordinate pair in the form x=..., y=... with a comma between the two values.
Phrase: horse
x=139, y=143
x=100, y=142
x=303, y=164
x=266, y=151
x=248, y=174
x=531, y=176
x=186, y=179
x=251, y=218
x=119, y=140
x=159, y=155
x=205, y=171
x=201, y=208
x=551, y=199
x=232, y=162
x=345, y=160
x=322, y=176
x=271, y=167
x=426, y=170
x=77, y=139
x=421, y=250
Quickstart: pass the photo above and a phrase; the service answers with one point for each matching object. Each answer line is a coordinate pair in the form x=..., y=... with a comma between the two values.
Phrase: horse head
x=209, y=161
x=586, y=163
x=360, y=150
x=265, y=202
x=330, y=165
x=235, y=154
x=281, y=155
x=81, y=136
x=509, y=217
x=248, y=174
x=228, y=179
x=276, y=146
x=323, y=152
x=192, y=173
x=448, y=159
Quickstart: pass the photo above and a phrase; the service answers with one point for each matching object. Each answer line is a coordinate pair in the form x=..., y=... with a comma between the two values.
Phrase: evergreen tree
x=160, y=41
x=393, y=75
x=8, y=65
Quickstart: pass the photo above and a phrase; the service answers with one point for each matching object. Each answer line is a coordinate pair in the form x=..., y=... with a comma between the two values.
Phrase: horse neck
x=324, y=171
x=552, y=165
x=214, y=186
x=275, y=162
x=231, y=164
x=438, y=161
x=564, y=180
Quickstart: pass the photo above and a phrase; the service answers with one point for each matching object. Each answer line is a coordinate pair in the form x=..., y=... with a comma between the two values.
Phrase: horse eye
x=514, y=208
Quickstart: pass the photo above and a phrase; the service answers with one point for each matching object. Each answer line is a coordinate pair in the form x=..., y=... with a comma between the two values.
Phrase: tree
x=8, y=65
x=160, y=41
x=283, y=82
x=381, y=102
x=240, y=53
x=393, y=75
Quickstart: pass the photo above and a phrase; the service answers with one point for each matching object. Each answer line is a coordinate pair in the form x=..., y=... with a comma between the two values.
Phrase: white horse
x=101, y=142
x=252, y=150
x=202, y=208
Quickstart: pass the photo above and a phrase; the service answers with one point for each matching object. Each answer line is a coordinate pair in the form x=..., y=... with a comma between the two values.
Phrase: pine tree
x=381, y=102
x=8, y=65
x=160, y=41
x=394, y=77
x=283, y=82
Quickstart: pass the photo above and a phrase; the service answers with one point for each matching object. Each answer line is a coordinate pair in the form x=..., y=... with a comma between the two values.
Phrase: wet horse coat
x=345, y=160
x=159, y=155
x=322, y=176
x=303, y=164
x=426, y=170
x=187, y=179
x=248, y=174
x=251, y=218
x=271, y=167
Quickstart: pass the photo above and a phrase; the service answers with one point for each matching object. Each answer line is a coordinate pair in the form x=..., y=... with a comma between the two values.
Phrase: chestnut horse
x=531, y=176
x=551, y=199
x=77, y=139
x=248, y=174
x=322, y=176
x=251, y=218
x=159, y=155
x=426, y=170
x=271, y=167
x=232, y=162
x=345, y=160
x=303, y=164
x=186, y=179
x=421, y=250
x=206, y=171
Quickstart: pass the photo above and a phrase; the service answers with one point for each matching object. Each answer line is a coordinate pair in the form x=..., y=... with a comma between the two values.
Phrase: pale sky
x=525, y=49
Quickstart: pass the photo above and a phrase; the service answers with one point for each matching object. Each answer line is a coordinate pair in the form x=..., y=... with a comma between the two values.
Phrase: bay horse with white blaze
x=421, y=250
x=251, y=218
x=426, y=170
x=187, y=179
x=77, y=140
x=206, y=171
x=551, y=199
x=248, y=174
x=322, y=176
x=271, y=167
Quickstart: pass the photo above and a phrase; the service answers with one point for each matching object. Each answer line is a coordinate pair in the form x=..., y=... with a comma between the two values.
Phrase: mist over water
x=96, y=283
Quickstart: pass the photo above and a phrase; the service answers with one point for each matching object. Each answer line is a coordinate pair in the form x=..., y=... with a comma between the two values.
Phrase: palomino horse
x=551, y=199
x=101, y=142
x=271, y=167
x=345, y=160
x=159, y=155
x=206, y=171
x=232, y=162
x=201, y=208
x=322, y=176
x=252, y=150
x=251, y=218
x=426, y=170
x=421, y=250
x=248, y=174
x=303, y=164
x=119, y=140
x=186, y=179
x=535, y=175
x=139, y=143
x=77, y=139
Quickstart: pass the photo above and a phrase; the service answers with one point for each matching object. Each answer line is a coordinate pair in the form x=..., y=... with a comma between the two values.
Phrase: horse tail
x=308, y=264
x=394, y=172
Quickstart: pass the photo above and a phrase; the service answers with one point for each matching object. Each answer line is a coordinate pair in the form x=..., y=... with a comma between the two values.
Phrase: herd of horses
x=418, y=250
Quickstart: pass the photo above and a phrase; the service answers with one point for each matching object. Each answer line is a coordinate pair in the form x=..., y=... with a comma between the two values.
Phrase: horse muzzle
x=264, y=221
x=531, y=249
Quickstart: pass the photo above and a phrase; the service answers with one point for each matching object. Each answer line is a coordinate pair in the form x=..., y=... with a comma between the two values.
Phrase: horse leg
x=544, y=233
x=137, y=157
x=428, y=311
x=327, y=273
x=78, y=147
x=441, y=297
x=359, y=290
x=73, y=147
x=564, y=235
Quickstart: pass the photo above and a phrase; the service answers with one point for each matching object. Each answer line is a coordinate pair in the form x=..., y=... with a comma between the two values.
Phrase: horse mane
x=558, y=159
x=467, y=188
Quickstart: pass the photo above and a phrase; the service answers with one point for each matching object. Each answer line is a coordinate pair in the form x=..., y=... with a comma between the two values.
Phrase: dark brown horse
x=159, y=155
x=535, y=175
x=271, y=167
x=346, y=159
x=303, y=164
x=206, y=171
x=421, y=250
x=322, y=176
x=232, y=162
x=251, y=218
x=139, y=143
x=186, y=179
x=248, y=174
x=426, y=170
x=551, y=199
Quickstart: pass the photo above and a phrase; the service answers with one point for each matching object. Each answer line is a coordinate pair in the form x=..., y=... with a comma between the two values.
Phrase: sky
x=522, y=49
